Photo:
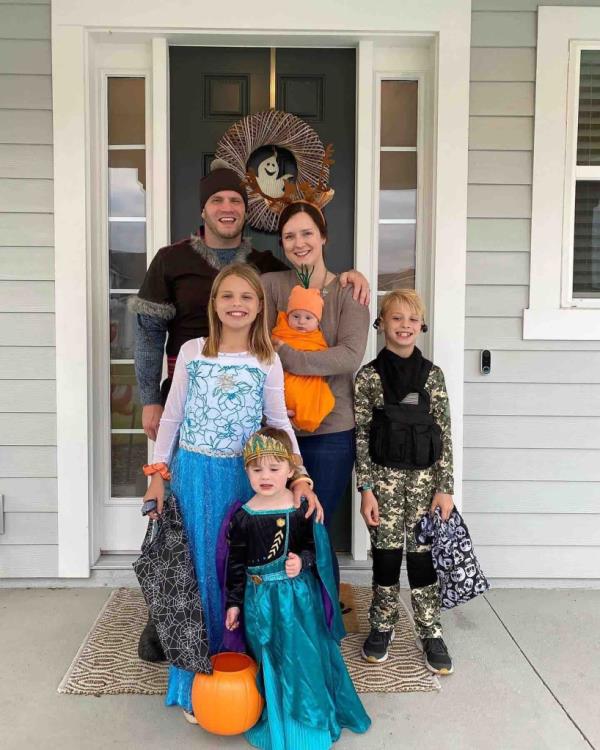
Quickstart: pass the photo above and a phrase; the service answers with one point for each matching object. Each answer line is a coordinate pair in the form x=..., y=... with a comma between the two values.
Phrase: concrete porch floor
x=526, y=677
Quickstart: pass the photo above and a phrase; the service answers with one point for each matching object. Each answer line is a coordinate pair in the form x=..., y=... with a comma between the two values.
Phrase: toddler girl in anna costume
x=279, y=573
x=308, y=397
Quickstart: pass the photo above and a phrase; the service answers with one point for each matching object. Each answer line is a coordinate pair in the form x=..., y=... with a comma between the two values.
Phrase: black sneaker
x=375, y=649
x=437, y=658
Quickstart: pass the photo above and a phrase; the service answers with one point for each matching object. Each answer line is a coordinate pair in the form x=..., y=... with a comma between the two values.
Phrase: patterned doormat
x=107, y=662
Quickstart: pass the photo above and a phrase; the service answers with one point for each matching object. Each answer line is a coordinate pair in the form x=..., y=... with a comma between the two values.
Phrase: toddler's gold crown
x=263, y=445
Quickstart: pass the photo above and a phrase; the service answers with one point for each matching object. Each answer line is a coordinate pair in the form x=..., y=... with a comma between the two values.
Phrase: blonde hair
x=259, y=341
x=407, y=297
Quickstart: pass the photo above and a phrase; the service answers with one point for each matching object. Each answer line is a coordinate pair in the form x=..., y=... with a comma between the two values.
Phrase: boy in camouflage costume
x=394, y=499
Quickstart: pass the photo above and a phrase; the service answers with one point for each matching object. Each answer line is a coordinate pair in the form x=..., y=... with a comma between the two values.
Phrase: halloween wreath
x=279, y=156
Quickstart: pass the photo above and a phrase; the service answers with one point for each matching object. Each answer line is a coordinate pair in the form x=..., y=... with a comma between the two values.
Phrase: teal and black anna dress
x=309, y=696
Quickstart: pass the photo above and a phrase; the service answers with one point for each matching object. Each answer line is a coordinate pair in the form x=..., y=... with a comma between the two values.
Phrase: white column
x=365, y=260
x=71, y=240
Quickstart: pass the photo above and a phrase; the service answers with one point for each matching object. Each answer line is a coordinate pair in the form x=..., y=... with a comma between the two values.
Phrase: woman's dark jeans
x=329, y=460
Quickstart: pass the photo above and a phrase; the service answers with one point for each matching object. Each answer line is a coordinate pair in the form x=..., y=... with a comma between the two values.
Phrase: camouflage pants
x=403, y=497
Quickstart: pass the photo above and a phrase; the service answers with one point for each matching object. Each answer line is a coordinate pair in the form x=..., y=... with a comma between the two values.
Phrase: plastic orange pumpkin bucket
x=227, y=701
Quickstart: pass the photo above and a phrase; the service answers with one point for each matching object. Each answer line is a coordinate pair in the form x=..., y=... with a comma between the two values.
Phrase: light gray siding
x=532, y=427
x=532, y=453
x=28, y=547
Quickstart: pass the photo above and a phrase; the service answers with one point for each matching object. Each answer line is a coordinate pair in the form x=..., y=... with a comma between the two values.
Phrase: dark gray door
x=211, y=88
x=318, y=85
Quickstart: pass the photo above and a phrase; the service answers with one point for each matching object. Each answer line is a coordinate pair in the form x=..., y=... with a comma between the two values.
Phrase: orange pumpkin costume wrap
x=308, y=396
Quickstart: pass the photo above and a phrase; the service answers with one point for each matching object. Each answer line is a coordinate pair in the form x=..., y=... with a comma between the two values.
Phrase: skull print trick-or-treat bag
x=457, y=568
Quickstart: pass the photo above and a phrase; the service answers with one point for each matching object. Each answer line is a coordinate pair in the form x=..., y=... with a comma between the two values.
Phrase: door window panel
x=127, y=254
x=126, y=111
x=127, y=262
x=122, y=328
x=399, y=113
x=127, y=183
x=398, y=185
x=125, y=407
x=129, y=451
x=396, y=257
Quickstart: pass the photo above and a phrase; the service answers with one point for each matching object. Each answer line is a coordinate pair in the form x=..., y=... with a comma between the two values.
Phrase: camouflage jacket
x=368, y=393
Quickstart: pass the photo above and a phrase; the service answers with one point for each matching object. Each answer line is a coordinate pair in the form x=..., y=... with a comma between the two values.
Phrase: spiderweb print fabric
x=167, y=578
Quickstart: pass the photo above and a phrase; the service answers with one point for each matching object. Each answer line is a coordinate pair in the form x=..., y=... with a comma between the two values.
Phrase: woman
x=328, y=453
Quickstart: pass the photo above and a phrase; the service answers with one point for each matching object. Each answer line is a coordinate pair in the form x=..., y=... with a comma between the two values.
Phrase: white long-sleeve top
x=216, y=403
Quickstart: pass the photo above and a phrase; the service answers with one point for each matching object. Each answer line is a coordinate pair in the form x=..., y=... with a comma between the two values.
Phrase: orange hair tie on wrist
x=162, y=469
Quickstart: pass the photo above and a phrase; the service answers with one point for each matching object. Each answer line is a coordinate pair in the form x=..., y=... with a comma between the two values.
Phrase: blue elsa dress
x=214, y=405
x=291, y=632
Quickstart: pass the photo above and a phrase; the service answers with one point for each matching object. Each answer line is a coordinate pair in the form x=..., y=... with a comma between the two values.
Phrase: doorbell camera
x=485, y=364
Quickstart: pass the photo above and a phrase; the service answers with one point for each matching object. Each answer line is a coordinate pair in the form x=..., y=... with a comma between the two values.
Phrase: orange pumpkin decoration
x=227, y=701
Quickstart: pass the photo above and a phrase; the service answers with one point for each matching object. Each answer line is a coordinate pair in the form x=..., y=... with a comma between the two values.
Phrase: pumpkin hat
x=306, y=299
x=262, y=445
x=303, y=298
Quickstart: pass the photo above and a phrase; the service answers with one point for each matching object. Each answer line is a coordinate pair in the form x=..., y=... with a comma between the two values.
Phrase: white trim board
x=261, y=24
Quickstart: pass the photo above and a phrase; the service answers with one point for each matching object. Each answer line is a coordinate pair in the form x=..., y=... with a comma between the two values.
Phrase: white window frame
x=115, y=522
x=424, y=149
x=128, y=60
x=554, y=313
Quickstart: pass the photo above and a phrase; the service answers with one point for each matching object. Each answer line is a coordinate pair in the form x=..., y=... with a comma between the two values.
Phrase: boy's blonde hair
x=259, y=341
x=407, y=297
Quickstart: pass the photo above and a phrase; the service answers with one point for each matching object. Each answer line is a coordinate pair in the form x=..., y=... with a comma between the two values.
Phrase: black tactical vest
x=405, y=435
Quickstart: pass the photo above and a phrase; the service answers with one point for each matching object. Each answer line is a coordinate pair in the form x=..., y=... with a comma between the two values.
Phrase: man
x=172, y=303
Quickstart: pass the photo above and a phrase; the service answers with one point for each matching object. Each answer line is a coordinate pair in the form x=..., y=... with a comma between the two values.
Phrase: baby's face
x=302, y=320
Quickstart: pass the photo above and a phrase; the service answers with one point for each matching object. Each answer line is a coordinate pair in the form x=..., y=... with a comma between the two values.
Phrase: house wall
x=532, y=427
x=28, y=546
x=531, y=490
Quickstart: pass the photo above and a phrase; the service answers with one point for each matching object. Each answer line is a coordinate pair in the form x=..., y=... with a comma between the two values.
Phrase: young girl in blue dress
x=279, y=572
x=222, y=387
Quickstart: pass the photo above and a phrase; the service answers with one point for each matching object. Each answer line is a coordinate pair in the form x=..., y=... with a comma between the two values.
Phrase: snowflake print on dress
x=223, y=407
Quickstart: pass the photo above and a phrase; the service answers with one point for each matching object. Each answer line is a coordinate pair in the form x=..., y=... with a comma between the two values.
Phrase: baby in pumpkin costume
x=308, y=396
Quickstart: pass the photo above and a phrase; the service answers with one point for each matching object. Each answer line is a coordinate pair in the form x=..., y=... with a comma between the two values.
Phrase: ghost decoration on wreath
x=267, y=178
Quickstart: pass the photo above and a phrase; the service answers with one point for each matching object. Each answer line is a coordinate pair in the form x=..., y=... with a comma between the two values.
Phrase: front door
x=211, y=88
